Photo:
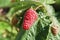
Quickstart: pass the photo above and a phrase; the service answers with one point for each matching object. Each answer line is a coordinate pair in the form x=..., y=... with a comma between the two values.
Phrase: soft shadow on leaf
x=43, y=34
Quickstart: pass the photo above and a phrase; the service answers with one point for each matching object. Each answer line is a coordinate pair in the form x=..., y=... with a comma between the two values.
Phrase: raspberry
x=14, y=21
x=54, y=30
x=29, y=18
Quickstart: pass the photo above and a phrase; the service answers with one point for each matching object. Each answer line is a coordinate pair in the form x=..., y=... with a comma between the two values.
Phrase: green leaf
x=43, y=34
x=4, y=2
x=44, y=25
x=4, y=25
x=51, y=12
x=19, y=7
x=43, y=1
x=28, y=34
x=47, y=1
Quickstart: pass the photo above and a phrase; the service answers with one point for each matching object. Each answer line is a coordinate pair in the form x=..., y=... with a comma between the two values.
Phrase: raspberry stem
x=38, y=7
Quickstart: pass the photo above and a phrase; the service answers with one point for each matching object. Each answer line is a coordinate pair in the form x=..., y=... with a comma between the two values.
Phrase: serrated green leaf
x=51, y=12
x=43, y=34
x=28, y=34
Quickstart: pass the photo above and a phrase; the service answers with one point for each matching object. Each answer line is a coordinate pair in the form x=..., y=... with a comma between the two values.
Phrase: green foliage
x=28, y=34
x=5, y=31
x=8, y=3
x=40, y=29
x=57, y=2
x=4, y=3
x=47, y=1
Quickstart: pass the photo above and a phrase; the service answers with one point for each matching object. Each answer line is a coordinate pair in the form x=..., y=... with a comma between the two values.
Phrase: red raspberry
x=29, y=18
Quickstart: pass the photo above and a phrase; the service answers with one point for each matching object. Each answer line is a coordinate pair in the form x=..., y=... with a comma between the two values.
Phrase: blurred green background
x=6, y=31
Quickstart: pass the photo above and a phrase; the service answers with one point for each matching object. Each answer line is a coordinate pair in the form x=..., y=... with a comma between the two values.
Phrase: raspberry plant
x=33, y=19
